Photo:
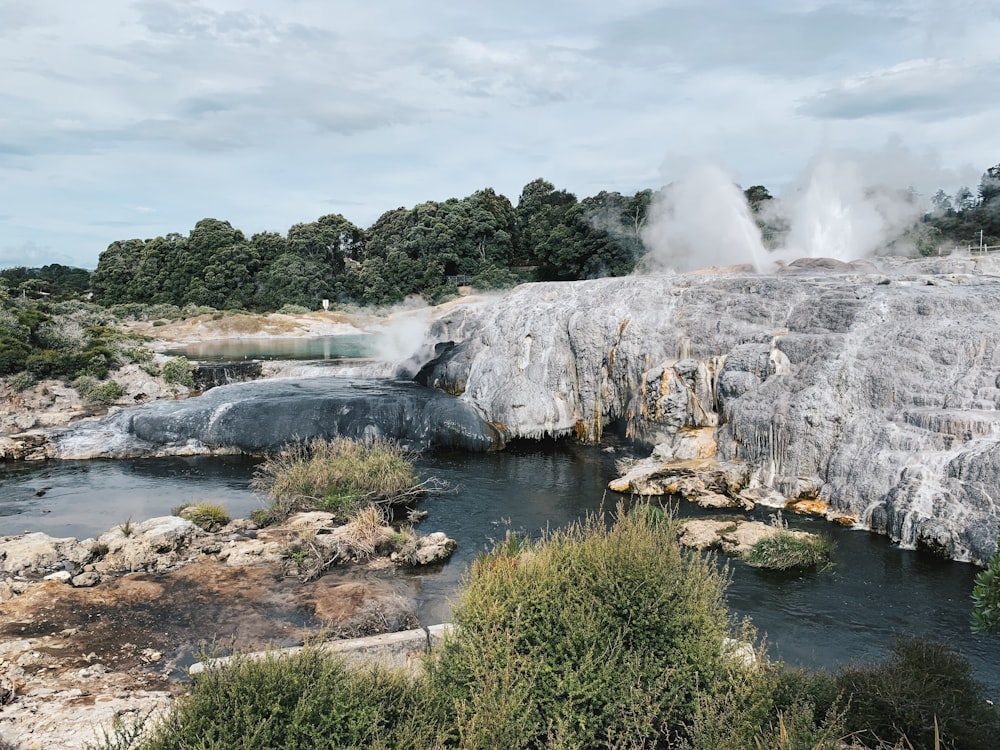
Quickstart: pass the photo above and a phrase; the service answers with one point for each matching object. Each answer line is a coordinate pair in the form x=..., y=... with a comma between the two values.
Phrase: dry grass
x=338, y=476
x=368, y=529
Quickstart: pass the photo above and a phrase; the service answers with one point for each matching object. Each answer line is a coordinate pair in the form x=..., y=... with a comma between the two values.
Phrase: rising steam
x=847, y=206
x=702, y=220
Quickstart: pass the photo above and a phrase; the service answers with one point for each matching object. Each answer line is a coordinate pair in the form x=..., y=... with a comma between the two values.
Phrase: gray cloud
x=921, y=88
x=18, y=15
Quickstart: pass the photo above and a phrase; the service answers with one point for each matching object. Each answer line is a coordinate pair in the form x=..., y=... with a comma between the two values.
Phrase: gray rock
x=85, y=580
x=35, y=555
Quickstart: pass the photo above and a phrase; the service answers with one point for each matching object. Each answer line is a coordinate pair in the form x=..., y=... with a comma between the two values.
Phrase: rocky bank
x=95, y=629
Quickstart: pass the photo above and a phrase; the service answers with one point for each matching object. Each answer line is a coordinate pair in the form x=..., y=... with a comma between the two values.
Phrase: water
x=85, y=498
x=352, y=346
x=851, y=613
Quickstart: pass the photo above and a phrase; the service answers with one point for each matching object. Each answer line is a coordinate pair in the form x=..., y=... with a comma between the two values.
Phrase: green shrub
x=593, y=637
x=13, y=354
x=338, y=475
x=95, y=392
x=293, y=310
x=51, y=363
x=921, y=683
x=207, y=516
x=788, y=550
x=305, y=700
x=22, y=381
x=597, y=636
x=178, y=370
x=986, y=596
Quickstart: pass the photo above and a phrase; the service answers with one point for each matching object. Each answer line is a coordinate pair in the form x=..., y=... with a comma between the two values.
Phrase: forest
x=428, y=250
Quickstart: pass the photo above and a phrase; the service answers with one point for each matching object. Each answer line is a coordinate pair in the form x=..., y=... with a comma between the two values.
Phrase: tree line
x=423, y=250
x=428, y=250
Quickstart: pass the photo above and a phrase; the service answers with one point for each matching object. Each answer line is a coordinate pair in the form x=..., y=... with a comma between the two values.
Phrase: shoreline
x=97, y=629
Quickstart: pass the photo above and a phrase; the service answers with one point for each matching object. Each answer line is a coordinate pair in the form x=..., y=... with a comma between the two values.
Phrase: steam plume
x=847, y=205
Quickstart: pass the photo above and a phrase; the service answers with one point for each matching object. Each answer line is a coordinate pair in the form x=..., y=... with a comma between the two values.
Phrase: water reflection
x=85, y=498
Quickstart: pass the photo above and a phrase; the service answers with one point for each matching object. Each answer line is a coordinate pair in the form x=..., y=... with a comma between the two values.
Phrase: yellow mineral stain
x=808, y=506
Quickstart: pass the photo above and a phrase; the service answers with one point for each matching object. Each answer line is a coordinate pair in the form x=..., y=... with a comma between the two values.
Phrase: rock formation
x=875, y=391
x=264, y=416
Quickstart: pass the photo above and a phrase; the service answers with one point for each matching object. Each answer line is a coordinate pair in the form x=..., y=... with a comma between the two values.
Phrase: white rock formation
x=878, y=389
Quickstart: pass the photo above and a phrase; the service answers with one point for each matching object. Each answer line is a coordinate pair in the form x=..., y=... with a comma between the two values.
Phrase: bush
x=338, y=475
x=986, y=596
x=593, y=637
x=207, y=516
x=788, y=550
x=95, y=392
x=178, y=370
x=305, y=700
x=921, y=683
x=293, y=310
x=22, y=381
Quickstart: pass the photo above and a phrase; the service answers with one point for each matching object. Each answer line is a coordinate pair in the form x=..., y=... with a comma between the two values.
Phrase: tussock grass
x=368, y=529
x=787, y=550
x=207, y=516
x=338, y=475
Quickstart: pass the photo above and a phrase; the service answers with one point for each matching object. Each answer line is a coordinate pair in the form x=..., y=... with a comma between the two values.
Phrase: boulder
x=156, y=544
x=36, y=555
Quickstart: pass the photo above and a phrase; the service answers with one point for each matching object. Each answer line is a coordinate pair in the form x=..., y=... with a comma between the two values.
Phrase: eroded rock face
x=876, y=390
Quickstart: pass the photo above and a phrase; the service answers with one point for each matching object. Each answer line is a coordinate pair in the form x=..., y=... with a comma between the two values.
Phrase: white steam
x=402, y=335
x=847, y=206
x=702, y=220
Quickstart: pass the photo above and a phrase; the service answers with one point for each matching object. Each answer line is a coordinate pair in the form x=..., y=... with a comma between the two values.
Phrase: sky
x=135, y=118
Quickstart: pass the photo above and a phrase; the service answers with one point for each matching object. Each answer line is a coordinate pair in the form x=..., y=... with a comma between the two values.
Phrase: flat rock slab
x=734, y=536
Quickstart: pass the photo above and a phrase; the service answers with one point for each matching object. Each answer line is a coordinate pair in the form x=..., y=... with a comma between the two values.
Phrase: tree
x=116, y=268
x=757, y=196
x=942, y=203
x=986, y=596
x=989, y=186
x=964, y=201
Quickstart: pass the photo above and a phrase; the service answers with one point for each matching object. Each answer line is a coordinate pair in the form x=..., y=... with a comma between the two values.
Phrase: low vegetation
x=788, y=550
x=207, y=516
x=177, y=370
x=72, y=341
x=94, y=391
x=307, y=700
x=986, y=596
x=338, y=475
x=596, y=636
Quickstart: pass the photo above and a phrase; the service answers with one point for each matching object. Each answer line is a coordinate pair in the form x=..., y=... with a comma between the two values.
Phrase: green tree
x=757, y=196
x=986, y=596
x=116, y=267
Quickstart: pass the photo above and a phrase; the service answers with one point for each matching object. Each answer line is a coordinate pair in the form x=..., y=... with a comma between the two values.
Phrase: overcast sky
x=134, y=118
